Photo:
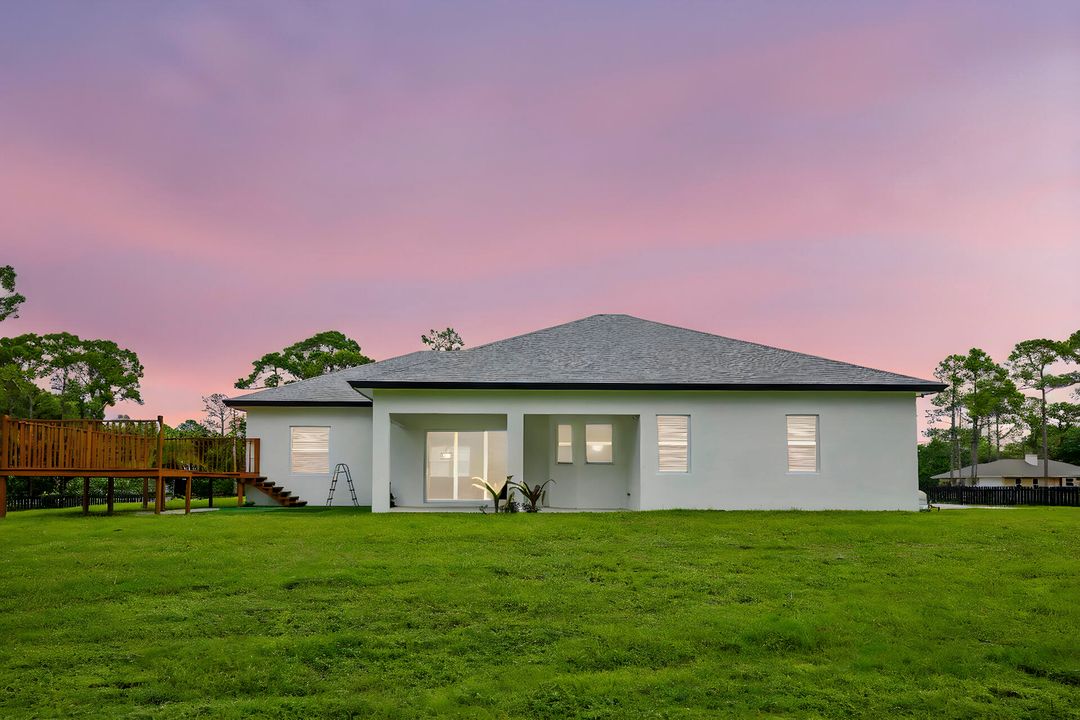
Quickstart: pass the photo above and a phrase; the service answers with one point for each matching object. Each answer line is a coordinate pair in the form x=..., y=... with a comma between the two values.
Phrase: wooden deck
x=120, y=448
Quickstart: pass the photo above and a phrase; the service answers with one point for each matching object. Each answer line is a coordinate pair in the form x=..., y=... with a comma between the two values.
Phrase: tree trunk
x=1046, y=454
x=974, y=451
x=953, y=455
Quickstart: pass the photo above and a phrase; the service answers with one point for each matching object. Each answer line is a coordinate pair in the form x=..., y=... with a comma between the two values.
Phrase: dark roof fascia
x=421, y=384
x=241, y=403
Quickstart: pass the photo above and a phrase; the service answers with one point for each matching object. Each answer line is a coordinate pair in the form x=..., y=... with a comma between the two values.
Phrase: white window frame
x=609, y=425
x=559, y=446
x=659, y=467
x=292, y=465
x=817, y=444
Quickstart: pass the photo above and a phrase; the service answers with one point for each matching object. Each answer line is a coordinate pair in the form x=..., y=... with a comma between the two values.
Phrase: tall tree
x=217, y=413
x=1029, y=363
x=10, y=300
x=985, y=384
x=442, y=340
x=91, y=375
x=221, y=419
x=105, y=375
x=1007, y=408
x=950, y=371
x=23, y=362
x=319, y=354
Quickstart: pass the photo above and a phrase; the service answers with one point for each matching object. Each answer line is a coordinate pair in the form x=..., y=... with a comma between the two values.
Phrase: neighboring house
x=620, y=412
x=1015, y=473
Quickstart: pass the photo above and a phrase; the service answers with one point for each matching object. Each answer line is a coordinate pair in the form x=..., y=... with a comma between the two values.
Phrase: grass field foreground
x=338, y=613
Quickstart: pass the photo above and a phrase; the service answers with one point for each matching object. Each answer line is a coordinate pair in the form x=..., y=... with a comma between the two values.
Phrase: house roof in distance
x=600, y=352
x=1015, y=468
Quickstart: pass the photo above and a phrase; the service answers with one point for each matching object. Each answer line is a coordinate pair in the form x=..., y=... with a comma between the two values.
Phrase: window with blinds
x=802, y=443
x=673, y=442
x=564, y=453
x=309, y=451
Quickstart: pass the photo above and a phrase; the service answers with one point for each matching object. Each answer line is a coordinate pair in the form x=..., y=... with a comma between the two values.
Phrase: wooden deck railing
x=77, y=444
x=118, y=448
x=212, y=454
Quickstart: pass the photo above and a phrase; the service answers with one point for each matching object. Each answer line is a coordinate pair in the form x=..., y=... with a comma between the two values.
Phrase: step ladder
x=341, y=469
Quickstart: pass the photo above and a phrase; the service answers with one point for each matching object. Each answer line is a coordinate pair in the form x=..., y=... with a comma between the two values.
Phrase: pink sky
x=204, y=184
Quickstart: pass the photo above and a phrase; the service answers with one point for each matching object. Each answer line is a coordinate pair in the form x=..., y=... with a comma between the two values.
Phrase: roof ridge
x=543, y=329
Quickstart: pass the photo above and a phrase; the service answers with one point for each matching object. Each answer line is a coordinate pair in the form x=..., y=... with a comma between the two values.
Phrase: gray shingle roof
x=326, y=390
x=602, y=351
x=1014, y=468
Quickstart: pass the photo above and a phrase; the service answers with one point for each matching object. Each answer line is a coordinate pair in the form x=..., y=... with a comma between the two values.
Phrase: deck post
x=5, y=435
x=86, y=495
x=110, y=495
x=239, y=492
x=210, y=491
x=187, y=496
x=145, y=493
x=3, y=464
x=159, y=503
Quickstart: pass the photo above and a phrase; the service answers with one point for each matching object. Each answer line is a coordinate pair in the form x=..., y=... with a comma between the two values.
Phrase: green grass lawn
x=337, y=613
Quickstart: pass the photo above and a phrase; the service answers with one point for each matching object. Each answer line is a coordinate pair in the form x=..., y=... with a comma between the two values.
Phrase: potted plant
x=532, y=493
x=495, y=494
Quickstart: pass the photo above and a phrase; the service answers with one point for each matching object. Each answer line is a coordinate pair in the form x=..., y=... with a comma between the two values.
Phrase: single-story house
x=1011, y=472
x=622, y=413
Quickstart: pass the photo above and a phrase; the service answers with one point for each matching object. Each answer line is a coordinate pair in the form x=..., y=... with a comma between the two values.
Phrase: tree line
x=58, y=376
x=984, y=413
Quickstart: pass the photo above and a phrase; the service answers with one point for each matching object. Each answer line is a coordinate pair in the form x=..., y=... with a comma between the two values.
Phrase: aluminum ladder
x=341, y=469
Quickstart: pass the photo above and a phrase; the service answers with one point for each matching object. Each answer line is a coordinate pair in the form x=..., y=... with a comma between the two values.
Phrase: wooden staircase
x=278, y=493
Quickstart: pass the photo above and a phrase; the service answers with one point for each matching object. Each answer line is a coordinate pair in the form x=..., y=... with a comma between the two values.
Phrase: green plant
x=492, y=491
x=532, y=493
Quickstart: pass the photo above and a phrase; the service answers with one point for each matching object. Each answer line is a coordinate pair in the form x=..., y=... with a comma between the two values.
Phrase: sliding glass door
x=454, y=459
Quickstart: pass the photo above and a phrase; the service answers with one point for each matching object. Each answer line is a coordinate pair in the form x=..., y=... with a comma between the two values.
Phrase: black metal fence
x=55, y=502
x=1061, y=496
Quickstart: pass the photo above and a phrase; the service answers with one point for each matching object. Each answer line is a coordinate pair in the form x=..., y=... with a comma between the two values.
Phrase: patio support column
x=643, y=458
x=515, y=445
x=380, y=458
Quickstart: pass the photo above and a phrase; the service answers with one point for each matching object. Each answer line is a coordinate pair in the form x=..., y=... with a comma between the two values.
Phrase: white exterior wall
x=350, y=443
x=738, y=451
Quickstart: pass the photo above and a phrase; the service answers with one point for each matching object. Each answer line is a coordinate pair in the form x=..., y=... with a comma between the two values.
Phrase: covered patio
x=437, y=460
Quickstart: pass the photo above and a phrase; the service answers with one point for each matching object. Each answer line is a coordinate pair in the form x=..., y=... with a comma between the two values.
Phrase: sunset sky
x=207, y=182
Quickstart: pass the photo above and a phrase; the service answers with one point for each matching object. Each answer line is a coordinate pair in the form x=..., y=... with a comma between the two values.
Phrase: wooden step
x=278, y=493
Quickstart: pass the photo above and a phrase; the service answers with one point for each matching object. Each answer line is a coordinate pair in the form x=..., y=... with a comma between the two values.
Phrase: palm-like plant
x=532, y=493
x=493, y=492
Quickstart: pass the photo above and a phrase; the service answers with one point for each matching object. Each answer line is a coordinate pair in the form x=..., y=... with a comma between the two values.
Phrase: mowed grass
x=337, y=613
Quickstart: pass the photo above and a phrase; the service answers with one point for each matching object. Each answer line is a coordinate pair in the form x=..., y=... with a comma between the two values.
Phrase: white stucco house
x=622, y=413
